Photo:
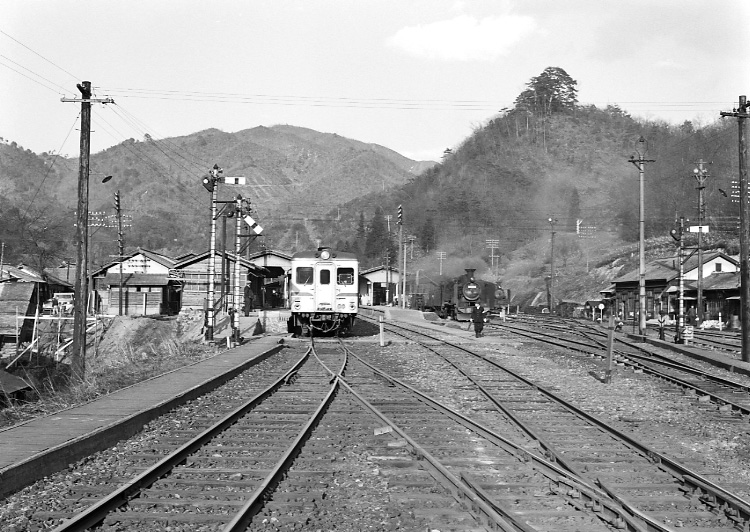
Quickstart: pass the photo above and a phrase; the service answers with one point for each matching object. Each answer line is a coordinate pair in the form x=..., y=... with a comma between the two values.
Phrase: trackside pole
x=382, y=337
x=610, y=342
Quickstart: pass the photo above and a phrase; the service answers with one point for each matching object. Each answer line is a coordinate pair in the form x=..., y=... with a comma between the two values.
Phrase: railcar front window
x=325, y=276
x=304, y=275
x=345, y=276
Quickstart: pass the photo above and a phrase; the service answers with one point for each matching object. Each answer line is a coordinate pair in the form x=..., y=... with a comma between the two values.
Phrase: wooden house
x=270, y=291
x=149, y=285
x=381, y=285
x=662, y=277
x=192, y=274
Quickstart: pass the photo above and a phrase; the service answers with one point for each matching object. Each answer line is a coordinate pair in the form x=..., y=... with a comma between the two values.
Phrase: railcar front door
x=325, y=292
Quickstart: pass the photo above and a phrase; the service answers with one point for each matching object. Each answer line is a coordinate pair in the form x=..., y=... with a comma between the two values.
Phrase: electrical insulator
x=400, y=215
x=117, y=201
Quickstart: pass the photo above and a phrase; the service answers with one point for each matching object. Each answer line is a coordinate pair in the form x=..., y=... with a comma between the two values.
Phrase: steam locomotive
x=462, y=292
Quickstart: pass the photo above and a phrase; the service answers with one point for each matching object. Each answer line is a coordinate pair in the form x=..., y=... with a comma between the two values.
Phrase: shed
x=147, y=287
x=193, y=275
x=381, y=285
x=16, y=299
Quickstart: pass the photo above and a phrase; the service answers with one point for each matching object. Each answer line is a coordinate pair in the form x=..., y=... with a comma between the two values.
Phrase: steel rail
x=490, y=516
x=95, y=513
x=576, y=485
x=257, y=499
x=731, y=503
x=633, y=362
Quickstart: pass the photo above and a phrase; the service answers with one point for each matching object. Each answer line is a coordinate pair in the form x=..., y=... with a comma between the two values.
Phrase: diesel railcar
x=323, y=291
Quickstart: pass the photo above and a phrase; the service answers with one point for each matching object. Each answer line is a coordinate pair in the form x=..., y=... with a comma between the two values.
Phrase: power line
x=51, y=166
x=77, y=78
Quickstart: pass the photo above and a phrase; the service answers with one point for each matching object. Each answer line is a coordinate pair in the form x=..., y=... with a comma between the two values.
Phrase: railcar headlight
x=352, y=305
x=325, y=254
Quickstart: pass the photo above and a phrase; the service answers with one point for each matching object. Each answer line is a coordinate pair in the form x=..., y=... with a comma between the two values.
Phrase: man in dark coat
x=477, y=316
x=248, y=299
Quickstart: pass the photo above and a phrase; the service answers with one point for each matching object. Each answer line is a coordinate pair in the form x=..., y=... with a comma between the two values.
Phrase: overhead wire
x=51, y=166
x=29, y=77
x=40, y=55
x=138, y=152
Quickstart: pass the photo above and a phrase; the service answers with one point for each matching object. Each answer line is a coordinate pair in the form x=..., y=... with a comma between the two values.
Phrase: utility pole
x=402, y=253
x=78, y=353
x=441, y=258
x=493, y=245
x=120, y=245
x=700, y=175
x=2, y=257
x=551, y=286
x=641, y=148
x=741, y=114
x=677, y=234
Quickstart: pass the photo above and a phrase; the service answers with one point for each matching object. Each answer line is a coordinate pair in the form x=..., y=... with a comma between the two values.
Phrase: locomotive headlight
x=325, y=254
x=297, y=305
x=471, y=291
x=351, y=305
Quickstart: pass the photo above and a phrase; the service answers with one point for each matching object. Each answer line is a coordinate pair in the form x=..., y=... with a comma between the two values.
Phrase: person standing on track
x=477, y=316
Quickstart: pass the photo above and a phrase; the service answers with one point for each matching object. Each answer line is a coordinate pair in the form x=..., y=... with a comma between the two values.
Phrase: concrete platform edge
x=58, y=458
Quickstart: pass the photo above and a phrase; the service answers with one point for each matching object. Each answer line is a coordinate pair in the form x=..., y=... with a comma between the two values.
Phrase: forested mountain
x=549, y=158
x=548, y=164
x=293, y=175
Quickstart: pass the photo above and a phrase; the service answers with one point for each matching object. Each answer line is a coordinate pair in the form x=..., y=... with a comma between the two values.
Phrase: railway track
x=346, y=438
x=655, y=490
x=730, y=396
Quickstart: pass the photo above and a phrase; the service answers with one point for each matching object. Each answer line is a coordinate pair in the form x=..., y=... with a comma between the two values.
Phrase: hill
x=547, y=165
x=293, y=174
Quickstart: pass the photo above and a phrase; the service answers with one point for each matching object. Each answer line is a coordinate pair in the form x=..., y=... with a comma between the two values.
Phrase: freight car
x=323, y=291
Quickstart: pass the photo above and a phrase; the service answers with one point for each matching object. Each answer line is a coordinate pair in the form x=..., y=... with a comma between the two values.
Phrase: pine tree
x=552, y=91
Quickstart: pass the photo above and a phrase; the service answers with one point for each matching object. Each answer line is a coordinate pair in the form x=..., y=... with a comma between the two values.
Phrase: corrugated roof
x=15, y=297
x=722, y=281
x=10, y=383
x=656, y=270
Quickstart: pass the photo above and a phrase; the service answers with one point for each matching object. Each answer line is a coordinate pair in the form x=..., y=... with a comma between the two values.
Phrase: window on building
x=718, y=266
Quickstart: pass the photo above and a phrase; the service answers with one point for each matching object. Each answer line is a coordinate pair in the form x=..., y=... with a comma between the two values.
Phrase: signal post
x=210, y=183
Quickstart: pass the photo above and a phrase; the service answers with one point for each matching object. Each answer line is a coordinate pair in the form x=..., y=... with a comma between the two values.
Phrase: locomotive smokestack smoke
x=470, y=272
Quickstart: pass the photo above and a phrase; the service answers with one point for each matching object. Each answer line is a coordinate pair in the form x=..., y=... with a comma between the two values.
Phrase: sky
x=416, y=76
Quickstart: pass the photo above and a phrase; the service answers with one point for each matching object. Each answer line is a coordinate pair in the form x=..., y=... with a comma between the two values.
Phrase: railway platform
x=710, y=356
x=45, y=445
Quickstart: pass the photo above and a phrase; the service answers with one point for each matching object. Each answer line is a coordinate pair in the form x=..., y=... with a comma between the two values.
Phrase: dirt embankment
x=148, y=336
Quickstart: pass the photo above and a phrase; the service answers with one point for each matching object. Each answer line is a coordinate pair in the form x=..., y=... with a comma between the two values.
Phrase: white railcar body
x=323, y=291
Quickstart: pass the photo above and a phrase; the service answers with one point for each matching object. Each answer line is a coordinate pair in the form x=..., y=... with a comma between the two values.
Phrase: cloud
x=463, y=38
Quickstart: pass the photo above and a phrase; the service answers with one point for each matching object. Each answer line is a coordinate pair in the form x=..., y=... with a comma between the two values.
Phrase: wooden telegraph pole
x=741, y=114
x=78, y=354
